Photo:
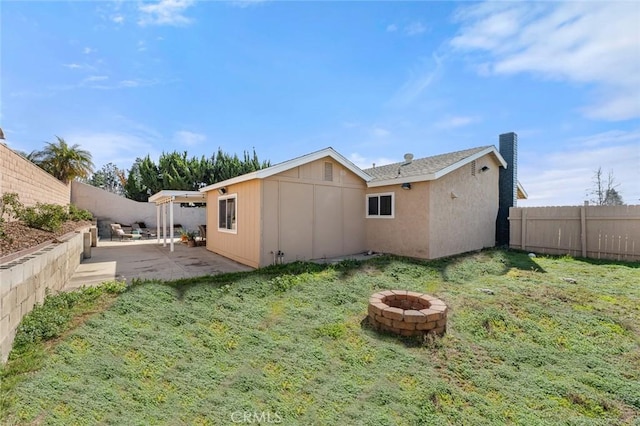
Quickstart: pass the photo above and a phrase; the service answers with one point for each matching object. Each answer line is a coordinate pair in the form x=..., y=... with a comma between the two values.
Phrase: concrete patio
x=146, y=259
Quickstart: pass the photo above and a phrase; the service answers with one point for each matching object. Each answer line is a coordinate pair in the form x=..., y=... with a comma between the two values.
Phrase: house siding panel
x=270, y=221
x=296, y=221
x=407, y=233
x=353, y=228
x=243, y=246
x=328, y=232
x=308, y=217
x=467, y=222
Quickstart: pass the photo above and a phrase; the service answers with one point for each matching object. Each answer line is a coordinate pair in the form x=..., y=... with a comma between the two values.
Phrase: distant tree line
x=174, y=170
x=179, y=172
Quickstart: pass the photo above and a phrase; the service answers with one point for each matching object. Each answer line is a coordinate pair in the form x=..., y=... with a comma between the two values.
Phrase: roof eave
x=469, y=159
x=237, y=179
x=177, y=196
x=441, y=172
x=400, y=180
x=287, y=165
x=522, y=194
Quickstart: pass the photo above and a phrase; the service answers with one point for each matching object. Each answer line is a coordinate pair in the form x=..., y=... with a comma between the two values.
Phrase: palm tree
x=63, y=161
x=31, y=156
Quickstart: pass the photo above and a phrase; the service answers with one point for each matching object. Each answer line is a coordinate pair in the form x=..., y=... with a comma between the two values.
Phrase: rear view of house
x=321, y=205
x=308, y=207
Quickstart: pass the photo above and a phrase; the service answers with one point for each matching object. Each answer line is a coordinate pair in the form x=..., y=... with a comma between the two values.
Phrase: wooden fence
x=598, y=232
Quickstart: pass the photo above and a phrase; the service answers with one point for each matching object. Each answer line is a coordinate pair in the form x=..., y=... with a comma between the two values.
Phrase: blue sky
x=374, y=80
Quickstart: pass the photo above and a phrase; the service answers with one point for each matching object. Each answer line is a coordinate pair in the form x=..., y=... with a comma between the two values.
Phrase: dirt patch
x=20, y=237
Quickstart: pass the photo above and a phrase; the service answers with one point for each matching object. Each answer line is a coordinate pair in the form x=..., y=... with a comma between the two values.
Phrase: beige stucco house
x=321, y=205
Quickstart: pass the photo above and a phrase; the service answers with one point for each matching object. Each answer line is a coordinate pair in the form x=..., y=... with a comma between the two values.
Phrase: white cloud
x=566, y=177
x=77, y=66
x=165, y=12
x=594, y=43
x=185, y=137
x=456, y=121
x=95, y=78
x=410, y=29
x=120, y=148
x=368, y=162
x=380, y=132
x=118, y=19
x=130, y=83
x=418, y=82
x=351, y=124
x=127, y=84
x=247, y=3
x=100, y=82
x=415, y=28
x=88, y=50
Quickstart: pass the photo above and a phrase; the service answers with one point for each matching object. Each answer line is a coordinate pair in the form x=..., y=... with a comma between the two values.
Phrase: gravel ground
x=20, y=237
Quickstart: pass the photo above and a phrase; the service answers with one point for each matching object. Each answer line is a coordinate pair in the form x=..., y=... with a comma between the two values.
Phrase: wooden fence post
x=583, y=228
x=523, y=229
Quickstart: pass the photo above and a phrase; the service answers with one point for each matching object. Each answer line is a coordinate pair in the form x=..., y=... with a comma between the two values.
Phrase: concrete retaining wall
x=108, y=208
x=24, y=280
x=32, y=184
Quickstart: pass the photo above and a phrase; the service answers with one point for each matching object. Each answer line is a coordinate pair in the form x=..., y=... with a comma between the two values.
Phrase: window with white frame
x=227, y=209
x=380, y=205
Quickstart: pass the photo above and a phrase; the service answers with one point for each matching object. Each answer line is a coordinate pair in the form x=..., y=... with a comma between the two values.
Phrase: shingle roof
x=422, y=166
x=422, y=169
x=289, y=164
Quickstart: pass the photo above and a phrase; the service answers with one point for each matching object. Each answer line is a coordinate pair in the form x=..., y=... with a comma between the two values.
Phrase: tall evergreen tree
x=177, y=171
x=133, y=187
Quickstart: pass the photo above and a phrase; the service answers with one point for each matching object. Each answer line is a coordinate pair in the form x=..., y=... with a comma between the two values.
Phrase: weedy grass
x=290, y=344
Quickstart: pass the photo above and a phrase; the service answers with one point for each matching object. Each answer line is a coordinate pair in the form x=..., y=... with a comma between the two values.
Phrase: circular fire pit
x=407, y=313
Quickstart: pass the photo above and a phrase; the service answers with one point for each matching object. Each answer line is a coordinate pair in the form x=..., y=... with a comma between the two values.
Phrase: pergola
x=165, y=200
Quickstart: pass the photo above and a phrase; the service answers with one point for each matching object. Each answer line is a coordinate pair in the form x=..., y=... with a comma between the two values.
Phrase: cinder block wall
x=32, y=184
x=107, y=208
x=23, y=283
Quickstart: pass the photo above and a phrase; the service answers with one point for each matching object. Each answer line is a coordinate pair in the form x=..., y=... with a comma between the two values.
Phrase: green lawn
x=288, y=345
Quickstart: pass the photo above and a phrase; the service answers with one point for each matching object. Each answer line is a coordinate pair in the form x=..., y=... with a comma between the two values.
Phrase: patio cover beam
x=168, y=198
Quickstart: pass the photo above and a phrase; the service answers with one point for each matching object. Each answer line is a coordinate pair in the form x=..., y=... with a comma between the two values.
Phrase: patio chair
x=117, y=230
x=114, y=229
x=203, y=233
x=143, y=230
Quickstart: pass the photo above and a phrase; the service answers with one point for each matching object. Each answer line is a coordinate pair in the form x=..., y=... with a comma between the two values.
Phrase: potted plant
x=184, y=236
x=191, y=238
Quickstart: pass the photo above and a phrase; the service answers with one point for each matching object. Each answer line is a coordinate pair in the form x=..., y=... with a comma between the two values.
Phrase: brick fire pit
x=407, y=313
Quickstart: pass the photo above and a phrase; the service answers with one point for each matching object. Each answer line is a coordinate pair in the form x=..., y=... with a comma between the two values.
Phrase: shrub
x=9, y=206
x=77, y=214
x=48, y=217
